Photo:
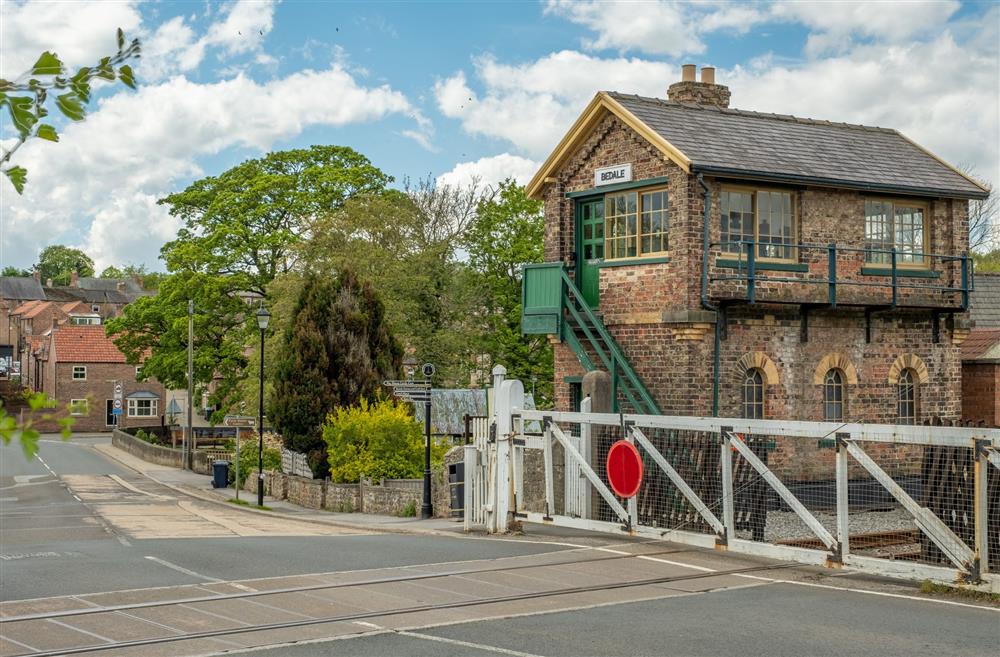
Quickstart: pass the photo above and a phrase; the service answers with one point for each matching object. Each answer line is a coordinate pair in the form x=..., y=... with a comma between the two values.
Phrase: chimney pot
x=37, y=275
x=74, y=278
x=708, y=75
x=687, y=73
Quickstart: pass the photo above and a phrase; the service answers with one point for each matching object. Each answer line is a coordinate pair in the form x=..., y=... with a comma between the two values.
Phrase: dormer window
x=764, y=217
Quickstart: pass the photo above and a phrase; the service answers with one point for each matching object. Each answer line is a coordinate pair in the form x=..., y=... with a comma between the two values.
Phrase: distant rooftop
x=984, y=301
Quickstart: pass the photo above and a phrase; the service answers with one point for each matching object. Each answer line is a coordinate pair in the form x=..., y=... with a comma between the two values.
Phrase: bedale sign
x=610, y=175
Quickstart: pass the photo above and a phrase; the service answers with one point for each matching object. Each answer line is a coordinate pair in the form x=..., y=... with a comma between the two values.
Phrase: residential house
x=15, y=291
x=981, y=354
x=83, y=366
x=716, y=261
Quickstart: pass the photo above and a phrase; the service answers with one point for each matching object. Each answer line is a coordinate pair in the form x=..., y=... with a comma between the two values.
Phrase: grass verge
x=933, y=588
x=233, y=500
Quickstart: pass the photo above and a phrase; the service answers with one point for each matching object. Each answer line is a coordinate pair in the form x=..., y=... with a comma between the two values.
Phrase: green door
x=590, y=229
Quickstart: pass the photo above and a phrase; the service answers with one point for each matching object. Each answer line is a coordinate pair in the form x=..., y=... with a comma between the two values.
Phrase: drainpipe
x=705, y=303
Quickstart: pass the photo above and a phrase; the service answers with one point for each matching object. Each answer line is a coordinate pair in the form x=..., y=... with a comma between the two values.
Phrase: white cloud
x=532, y=105
x=490, y=171
x=108, y=170
x=79, y=32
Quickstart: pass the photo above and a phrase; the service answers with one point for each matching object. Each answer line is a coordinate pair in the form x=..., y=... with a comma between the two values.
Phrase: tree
x=337, y=349
x=10, y=270
x=58, y=262
x=988, y=262
x=506, y=234
x=244, y=223
x=153, y=330
x=112, y=272
x=26, y=97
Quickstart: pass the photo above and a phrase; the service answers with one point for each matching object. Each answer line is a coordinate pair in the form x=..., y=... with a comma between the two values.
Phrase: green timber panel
x=543, y=289
x=540, y=324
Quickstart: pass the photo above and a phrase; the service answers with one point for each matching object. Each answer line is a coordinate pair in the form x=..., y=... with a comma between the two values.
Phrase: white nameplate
x=611, y=175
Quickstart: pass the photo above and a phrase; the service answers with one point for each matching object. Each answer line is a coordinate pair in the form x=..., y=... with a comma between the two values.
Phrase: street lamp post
x=263, y=317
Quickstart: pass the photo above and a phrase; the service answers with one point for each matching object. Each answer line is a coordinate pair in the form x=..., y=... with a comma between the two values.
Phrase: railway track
x=529, y=581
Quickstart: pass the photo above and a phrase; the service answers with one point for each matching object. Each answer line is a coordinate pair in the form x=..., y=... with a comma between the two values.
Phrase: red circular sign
x=624, y=468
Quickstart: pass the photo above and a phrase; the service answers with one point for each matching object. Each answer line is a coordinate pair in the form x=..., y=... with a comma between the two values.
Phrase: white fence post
x=726, y=460
x=508, y=398
x=981, y=510
x=843, y=499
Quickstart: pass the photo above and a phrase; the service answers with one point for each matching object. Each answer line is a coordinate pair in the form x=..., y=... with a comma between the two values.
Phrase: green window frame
x=899, y=224
x=636, y=224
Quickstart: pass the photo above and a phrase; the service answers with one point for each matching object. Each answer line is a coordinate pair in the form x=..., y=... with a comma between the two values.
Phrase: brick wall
x=98, y=386
x=981, y=392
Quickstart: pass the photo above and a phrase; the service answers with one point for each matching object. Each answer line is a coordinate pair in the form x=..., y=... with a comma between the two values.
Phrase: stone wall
x=146, y=451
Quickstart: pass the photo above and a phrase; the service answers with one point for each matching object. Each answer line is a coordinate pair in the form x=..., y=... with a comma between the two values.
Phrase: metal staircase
x=553, y=305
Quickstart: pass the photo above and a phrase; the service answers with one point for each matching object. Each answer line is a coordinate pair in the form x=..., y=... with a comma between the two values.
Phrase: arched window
x=833, y=396
x=753, y=394
x=907, y=396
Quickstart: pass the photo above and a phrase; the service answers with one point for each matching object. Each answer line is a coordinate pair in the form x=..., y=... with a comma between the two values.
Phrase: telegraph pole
x=187, y=439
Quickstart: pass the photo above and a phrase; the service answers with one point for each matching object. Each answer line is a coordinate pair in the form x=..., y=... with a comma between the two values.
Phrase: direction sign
x=240, y=421
x=624, y=468
x=116, y=411
x=406, y=384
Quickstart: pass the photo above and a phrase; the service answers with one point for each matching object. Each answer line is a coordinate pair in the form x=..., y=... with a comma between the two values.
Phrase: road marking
x=77, y=497
x=216, y=614
x=467, y=644
x=121, y=482
x=371, y=626
x=23, y=645
x=182, y=569
x=80, y=630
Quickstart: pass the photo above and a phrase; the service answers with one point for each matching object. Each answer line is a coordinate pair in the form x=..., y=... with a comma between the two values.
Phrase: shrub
x=248, y=460
x=409, y=511
x=375, y=439
x=141, y=435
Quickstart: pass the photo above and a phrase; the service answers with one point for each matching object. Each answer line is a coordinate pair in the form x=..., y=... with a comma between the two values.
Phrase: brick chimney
x=74, y=278
x=37, y=275
x=120, y=286
x=706, y=92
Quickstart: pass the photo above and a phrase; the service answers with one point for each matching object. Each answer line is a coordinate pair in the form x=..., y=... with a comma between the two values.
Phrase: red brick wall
x=98, y=387
x=981, y=392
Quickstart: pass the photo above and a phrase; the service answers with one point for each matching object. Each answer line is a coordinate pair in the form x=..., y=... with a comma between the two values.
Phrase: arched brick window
x=834, y=396
x=906, y=388
x=753, y=394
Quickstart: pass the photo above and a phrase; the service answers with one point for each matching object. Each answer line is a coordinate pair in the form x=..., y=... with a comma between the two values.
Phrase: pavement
x=90, y=537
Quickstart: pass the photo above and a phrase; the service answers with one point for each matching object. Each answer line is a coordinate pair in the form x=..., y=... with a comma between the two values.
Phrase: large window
x=636, y=224
x=79, y=372
x=896, y=225
x=907, y=397
x=765, y=217
x=142, y=407
x=833, y=396
x=753, y=395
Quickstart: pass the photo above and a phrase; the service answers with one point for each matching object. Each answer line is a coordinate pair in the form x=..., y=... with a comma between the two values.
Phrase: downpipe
x=705, y=303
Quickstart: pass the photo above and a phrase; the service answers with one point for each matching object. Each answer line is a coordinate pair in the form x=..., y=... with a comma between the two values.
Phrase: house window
x=79, y=372
x=753, y=395
x=636, y=224
x=78, y=407
x=896, y=225
x=833, y=396
x=85, y=321
x=142, y=407
x=907, y=397
x=765, y=217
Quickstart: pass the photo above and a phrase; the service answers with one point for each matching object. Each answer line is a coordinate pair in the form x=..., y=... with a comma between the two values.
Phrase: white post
x=237, y=464
x=633, y=502
x=471, y=481
x=509, y=396
x=550, y=503
x=726, y=459
x=843, y=508
x=981, y=510
x=585, y=448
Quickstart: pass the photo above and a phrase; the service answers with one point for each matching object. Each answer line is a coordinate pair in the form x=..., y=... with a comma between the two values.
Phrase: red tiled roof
x=26, y=306
x=85, y=344
x=40, y=307
x=982, y=343
x=71, y=306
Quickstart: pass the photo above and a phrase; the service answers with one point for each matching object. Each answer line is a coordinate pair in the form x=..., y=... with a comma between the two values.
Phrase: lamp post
x=263, y=317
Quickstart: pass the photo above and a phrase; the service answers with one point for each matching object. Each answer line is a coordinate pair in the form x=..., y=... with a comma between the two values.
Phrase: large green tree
x=153, y=331
x=58, y=262
x=337, y=349
x=10, y=270
x=245, y=222
x=507, y=234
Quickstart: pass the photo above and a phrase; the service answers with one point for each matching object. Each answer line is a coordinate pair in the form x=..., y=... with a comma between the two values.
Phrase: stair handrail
x=612, y=346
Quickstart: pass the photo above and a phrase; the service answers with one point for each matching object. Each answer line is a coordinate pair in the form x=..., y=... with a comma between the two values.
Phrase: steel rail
x=316, y=587
x=400, y=611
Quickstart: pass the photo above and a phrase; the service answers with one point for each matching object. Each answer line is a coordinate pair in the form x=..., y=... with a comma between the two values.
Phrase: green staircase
x=553, y=305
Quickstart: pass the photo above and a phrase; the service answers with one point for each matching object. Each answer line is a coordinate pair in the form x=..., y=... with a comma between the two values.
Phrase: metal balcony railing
x=817, y=264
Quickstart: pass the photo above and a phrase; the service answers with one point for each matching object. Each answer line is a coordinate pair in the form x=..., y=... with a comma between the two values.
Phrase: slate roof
x=67, y=293
x=984, y=301
x=85, y=344
x=20, y=287
x=109, y=285
x=982, y=344
x=774, y=146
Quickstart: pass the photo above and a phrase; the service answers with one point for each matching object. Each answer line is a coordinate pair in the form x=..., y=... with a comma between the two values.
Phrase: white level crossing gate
x=914, y=502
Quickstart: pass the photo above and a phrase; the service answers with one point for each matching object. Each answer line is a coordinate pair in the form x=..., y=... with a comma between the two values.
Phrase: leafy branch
x=25, y=432
x=26, y=97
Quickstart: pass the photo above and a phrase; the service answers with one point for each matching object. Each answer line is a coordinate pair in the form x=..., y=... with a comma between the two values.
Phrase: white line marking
x=77, y=497
x=121, y=482
x=371, y=626
x=184, y=570
x=217, y=615
x=467, y=644
x=80, y=630
x=23, y=645
x=121, y=539
x=151, y=622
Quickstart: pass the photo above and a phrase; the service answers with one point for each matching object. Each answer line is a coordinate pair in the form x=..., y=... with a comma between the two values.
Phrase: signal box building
x=723, y=262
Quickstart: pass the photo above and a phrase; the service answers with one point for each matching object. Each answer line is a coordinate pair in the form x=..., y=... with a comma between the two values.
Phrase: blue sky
x=454, y=90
